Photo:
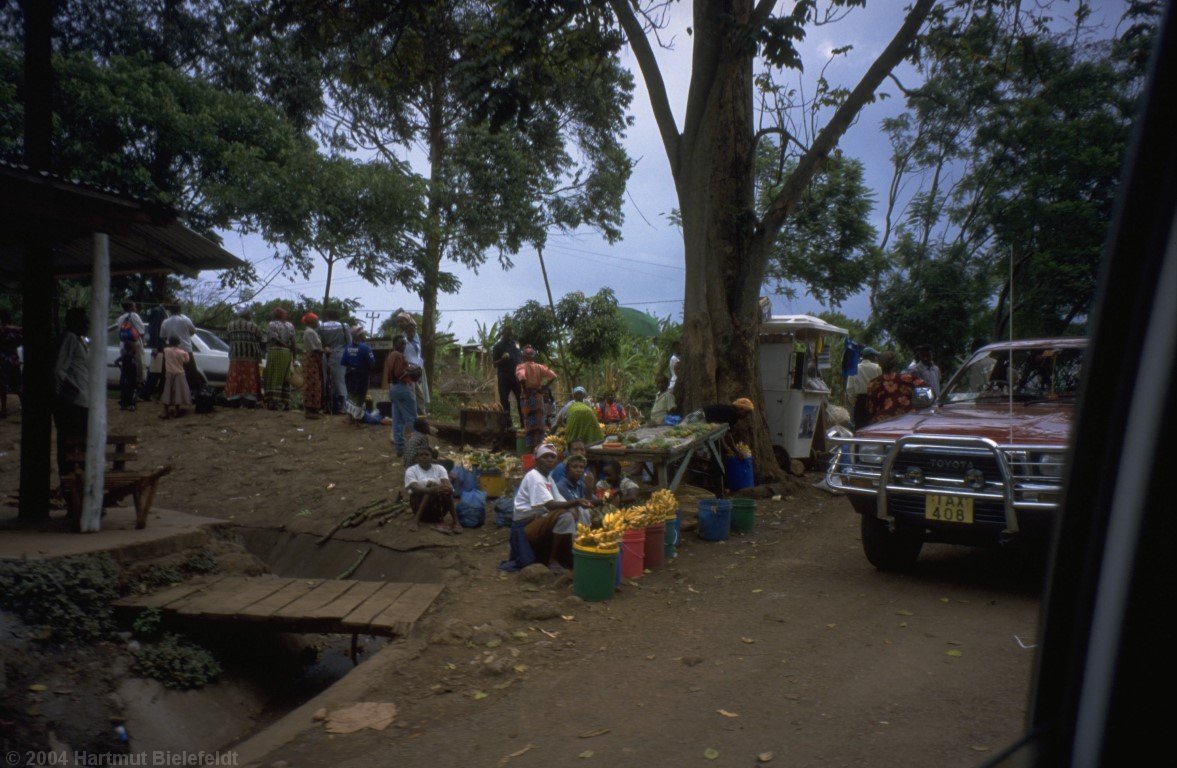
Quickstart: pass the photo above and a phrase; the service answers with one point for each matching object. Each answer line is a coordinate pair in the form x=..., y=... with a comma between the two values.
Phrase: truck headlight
x=871, y=453
x=1049, y=465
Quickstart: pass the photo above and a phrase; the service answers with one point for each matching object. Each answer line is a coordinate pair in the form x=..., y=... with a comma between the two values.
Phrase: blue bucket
x=739, y=472
x=617, y=571
x=715, y=519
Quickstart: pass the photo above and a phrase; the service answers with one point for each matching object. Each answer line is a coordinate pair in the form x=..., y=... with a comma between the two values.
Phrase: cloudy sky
x=645, y=268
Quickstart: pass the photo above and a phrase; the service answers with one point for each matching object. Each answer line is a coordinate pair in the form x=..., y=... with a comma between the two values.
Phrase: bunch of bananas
x=743, y=451
x=607, y=536
x=617, y=429
x=483, y=407
x=557, y=441
x=484, y=461
x=659, y=508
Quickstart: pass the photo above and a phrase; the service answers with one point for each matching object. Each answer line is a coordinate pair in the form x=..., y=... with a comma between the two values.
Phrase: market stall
x=667, y=449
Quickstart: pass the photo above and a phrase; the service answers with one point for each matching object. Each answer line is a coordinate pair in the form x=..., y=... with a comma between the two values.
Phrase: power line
x=512, y=309
x=619, y=258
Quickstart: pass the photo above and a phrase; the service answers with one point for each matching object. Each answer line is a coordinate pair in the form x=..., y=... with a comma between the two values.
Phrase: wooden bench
x=118, y=481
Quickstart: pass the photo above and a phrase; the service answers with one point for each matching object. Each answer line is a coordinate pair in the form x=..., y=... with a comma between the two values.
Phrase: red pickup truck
x=982, y=464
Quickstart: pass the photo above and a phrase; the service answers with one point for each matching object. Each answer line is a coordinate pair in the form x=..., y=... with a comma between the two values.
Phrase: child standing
x=175, y=387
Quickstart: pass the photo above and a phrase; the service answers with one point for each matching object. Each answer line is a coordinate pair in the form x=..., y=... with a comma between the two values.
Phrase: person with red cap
x=313, y=369
x=533, y=377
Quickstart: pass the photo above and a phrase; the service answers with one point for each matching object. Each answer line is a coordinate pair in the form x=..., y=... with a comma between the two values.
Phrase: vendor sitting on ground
x=549, y=519
x=610, y=411
x=615, y=484
x=418, y=439
x=572, y=485
x=575, y=448
x=431, y=496
x=580, y=425
x=578, y=396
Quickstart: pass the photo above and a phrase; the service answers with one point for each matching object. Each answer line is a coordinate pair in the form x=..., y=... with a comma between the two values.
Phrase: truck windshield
x=1037, y=374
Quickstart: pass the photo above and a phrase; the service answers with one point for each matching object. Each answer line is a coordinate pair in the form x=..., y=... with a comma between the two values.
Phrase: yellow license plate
x=948, y=509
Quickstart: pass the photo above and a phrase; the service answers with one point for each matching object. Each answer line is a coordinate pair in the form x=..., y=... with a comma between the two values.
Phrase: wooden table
x=670, y=464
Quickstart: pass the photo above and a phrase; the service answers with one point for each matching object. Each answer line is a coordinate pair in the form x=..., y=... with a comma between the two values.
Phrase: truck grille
x=950, y=466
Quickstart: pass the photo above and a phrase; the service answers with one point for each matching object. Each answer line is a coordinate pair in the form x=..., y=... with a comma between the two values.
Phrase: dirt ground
x=782, y=641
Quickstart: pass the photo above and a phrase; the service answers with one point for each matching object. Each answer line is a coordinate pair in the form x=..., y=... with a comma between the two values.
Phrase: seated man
x=610, y=411
x=431, y=496
x=548, y=519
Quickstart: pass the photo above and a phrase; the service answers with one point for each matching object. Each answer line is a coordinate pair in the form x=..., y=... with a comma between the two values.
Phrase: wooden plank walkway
x=296, y=605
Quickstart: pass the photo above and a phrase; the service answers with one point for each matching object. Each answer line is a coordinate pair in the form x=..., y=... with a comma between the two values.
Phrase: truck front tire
x=889, y=550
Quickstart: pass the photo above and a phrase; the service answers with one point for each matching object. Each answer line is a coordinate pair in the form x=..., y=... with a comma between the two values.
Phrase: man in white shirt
x=71, y=381
x=549, y=520
x=925, y=367
x=336, y=338
x=856, y=385
x=179, y=325
x=431, y=495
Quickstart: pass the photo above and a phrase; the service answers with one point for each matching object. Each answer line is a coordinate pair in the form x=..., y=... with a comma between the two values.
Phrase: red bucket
x=633, y=554
x=655, y=546
x=528, y=461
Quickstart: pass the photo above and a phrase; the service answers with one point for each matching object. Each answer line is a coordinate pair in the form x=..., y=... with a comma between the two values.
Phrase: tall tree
x=401, y=75
x=1014, y=141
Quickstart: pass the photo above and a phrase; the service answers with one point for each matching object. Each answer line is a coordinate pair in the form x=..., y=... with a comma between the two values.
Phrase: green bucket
x=521, y=444
x=743, y=515
x=592, y=574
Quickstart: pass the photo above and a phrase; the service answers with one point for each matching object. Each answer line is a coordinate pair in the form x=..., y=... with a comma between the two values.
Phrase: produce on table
x=743, y=451
x=484, y=407
x=690, y=430
x=487, y=461
x=617, y=429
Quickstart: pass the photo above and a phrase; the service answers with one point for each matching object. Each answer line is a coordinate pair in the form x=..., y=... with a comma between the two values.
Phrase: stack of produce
x=617, y=429
x=487, y=461
x=690, y=430
x=743, y=451
x=557, y=441
x=607, y=536
x=661, y=507
x=484, y=407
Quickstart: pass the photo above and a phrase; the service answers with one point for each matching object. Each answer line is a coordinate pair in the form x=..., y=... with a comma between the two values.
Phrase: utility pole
x=372, y=318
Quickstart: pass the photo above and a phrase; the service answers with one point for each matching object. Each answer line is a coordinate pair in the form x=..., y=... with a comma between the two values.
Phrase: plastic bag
x=472, y=509
x=504, y=511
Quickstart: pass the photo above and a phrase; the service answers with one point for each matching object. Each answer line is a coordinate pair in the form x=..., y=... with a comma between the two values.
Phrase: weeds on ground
x=177, y=663
x=156, y=576
x=70, y=597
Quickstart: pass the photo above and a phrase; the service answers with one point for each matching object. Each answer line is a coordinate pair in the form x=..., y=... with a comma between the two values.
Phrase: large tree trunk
x=327, y=288
x=720, y=313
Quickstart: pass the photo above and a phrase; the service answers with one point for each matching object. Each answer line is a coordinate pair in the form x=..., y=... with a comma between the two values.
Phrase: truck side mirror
x=923, y=397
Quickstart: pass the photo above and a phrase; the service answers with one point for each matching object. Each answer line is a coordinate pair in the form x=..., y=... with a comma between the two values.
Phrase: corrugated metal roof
x=144, y=237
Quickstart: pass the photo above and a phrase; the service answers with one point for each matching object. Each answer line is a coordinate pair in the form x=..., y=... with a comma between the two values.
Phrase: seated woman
x=416, y=440
x=614, y=482
x=431, y=496
x=573, y=485
x=610, y=411
x=547, y=518
x=580, y=425
x=575, y=448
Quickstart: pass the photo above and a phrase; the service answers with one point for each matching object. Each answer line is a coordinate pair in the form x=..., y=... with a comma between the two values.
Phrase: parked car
x=211, y=353
x=983, y=464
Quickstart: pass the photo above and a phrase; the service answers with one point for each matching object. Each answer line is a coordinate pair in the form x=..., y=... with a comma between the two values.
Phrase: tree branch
x=828, y=138
x=659, y=101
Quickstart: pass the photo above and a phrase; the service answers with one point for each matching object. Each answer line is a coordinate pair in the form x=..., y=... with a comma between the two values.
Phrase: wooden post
x=96, y=430
x=564, y=361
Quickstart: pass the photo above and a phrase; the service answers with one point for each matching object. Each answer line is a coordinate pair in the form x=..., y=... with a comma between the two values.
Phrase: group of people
x=880, y=391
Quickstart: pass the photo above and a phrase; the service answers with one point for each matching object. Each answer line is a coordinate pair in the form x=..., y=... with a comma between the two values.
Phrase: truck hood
x=1027, y=424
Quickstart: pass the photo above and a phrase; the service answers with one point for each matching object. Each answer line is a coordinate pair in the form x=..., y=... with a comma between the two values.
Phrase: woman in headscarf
x=533, y=377
x=358, y=360
x=279, y=358
x=312, y=366
x=580, y=425
x=245, y=352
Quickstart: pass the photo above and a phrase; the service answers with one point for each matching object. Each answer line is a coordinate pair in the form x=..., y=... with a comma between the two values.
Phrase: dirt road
x=784, y=641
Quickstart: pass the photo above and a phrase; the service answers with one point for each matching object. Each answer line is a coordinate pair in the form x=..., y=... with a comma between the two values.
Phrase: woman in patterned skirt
x=279, y=357
x=245, y=352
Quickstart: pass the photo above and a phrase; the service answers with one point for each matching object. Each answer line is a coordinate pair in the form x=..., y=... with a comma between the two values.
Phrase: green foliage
x=592, y=323
x=147, y=624
x=159, y=575
x=177, y=663
x=71, y=597
x=827, y=244
x=534, y=325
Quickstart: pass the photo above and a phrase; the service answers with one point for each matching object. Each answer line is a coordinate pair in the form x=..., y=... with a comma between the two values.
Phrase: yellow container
x=492, y=482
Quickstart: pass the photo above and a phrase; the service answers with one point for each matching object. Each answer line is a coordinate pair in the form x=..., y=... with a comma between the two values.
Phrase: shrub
x=177, y=663
x=71, y=597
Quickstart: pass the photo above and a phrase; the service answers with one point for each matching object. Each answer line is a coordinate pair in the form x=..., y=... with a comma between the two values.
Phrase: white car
x=211, y=353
